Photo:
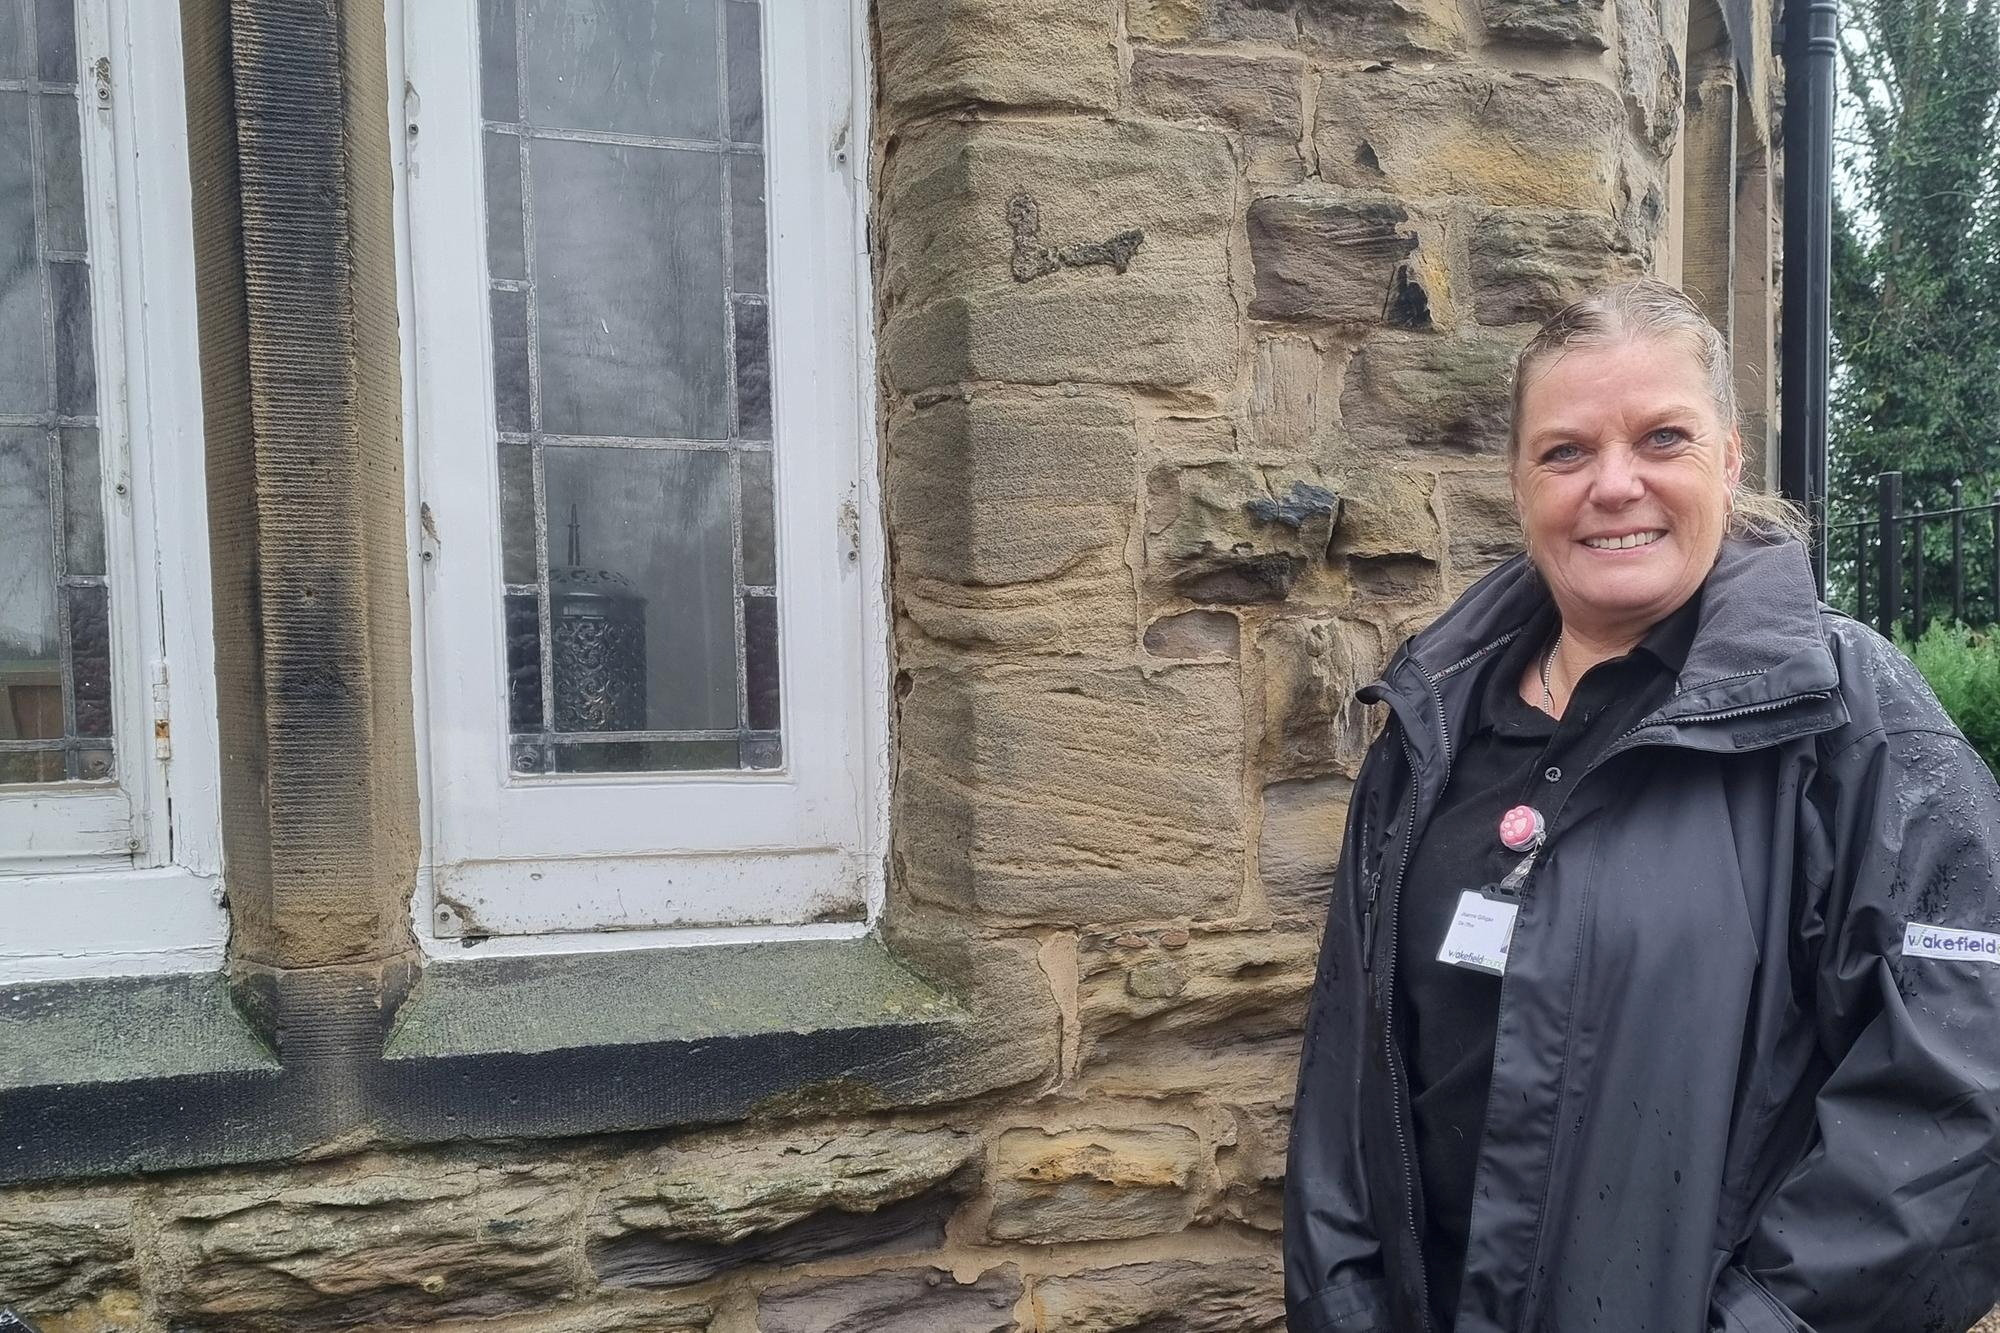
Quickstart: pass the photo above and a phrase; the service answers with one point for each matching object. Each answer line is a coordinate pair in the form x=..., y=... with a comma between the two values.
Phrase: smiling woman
x=1625, y=922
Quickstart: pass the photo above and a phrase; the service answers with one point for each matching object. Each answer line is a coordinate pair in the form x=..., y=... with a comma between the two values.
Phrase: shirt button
x=1553, y=774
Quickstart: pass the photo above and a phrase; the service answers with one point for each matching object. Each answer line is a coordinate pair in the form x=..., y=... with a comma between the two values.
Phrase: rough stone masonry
x=1194, y=324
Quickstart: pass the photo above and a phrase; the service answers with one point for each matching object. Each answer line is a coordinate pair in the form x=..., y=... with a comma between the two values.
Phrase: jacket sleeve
x=1333, y=1260
x=1891, y=1222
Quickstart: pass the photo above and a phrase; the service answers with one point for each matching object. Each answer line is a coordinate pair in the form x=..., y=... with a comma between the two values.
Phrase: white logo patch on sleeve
x=1922, y=941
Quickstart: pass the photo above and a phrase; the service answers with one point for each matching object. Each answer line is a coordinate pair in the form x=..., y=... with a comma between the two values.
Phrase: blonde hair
x=1648, y=310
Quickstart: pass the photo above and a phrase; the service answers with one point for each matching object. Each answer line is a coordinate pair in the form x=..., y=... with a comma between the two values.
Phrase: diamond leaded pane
x=627, y=264
x=55, y=607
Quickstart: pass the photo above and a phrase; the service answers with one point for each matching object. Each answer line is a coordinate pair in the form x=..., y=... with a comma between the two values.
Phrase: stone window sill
x=153, y=1073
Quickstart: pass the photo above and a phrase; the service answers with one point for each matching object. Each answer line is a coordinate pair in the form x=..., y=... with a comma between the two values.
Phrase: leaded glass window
x=624, y=165
x=55, y=639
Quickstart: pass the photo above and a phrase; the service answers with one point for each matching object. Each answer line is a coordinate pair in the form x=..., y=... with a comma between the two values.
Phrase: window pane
x=55, y=625
x=625, y=68
x=629, y=291
x=628, y=253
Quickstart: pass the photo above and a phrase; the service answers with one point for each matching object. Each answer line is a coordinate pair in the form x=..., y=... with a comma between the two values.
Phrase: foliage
x=1916, y=258
x=1963, y=669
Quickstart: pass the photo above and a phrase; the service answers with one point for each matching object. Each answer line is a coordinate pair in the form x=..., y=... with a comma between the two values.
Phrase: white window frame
x=125, y=876
x=533, y=864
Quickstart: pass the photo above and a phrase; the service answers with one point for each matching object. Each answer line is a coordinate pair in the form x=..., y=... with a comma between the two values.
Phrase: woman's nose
x=1617, y=481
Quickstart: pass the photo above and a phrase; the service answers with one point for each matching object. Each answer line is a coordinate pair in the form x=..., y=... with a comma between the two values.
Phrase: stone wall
x=1195, y=319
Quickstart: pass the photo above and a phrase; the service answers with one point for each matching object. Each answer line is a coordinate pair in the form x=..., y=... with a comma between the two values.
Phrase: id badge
x=1481, y=931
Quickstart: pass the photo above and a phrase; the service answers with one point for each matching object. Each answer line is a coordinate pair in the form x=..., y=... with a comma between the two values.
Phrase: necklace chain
x=1548, y=697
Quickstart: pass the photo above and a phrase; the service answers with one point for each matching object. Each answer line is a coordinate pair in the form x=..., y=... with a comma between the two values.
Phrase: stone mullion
x=295, y=274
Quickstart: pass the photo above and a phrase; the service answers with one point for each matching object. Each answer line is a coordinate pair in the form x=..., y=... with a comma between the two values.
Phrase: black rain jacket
x=1724, y=1099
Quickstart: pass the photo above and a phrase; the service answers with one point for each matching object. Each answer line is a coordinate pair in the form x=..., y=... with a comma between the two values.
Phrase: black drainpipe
x=1810, y=28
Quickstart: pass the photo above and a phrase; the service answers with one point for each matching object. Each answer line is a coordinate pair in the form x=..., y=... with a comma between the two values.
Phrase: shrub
x=1963, y=668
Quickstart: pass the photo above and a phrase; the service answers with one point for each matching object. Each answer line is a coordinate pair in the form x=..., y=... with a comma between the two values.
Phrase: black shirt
x=1512, y=754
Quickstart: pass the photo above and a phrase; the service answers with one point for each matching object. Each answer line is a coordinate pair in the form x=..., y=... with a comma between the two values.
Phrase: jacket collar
x=1757, y=645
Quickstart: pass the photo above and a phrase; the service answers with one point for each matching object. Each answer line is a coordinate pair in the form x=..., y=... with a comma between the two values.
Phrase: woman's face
x=1622, y=480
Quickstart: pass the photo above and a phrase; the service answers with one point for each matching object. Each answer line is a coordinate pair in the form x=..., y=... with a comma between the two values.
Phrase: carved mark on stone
x=1034, y=260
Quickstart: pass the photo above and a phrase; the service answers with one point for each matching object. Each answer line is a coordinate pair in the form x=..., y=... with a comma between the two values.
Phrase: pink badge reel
x=1522, y=829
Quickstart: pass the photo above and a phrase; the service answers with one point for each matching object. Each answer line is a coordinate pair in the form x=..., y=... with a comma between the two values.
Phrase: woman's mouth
x=1624, y=543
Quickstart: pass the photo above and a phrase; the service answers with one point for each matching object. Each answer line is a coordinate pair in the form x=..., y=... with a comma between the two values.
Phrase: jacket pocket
x=1741, y=1305
x=1361, y=1306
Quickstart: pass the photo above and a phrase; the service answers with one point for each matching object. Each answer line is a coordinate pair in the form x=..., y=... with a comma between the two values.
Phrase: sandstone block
x=1426, y=398
x=1185, y=20
x=1386, y=512
x=1013, y=1029
x=1047, y=54
x=1095, y=1183
x=1219, y=1016
x=1516, y=140
x=1285, y=382
x=1236, y=532
x=1480, y=518
x=1327, y=260
x=1389, y=27
x=1194, y=634
x=1526, y=265
x=690, y=1211
x=1072, y=796
x=997, y=490
x=58, y=1253
x=1298, y=850
x=1241, y=1295
x=619, y=1315
x=416, y=1243
x=1548, y=22
x=1253, y=1167
x=1257, y=97
x=1085, y=611
x=913, y=1300
x=1313, y=725
x=1649, y=71
x=1050, y=253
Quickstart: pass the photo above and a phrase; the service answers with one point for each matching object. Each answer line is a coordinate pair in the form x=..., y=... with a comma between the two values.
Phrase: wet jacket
x=1725, y=1095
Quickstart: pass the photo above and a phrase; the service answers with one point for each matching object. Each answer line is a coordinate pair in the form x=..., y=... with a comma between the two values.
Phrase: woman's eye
x=1666, y=436
x=1562, y=453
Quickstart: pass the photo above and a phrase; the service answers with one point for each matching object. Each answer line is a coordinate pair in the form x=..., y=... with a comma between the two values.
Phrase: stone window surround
x=324, y=1026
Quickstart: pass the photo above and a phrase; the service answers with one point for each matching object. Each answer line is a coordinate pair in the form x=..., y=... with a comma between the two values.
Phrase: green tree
x=1916, y=262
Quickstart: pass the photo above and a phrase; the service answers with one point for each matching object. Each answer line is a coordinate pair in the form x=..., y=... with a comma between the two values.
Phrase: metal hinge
x=163, y=735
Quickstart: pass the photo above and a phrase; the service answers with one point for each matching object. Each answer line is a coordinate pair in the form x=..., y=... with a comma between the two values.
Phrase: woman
x=1659, y=987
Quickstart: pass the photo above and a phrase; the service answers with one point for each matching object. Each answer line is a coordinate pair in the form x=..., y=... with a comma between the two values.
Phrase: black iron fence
x=1900, y=569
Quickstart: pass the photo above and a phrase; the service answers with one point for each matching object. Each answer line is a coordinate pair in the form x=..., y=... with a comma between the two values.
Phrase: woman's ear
x=1732, y=458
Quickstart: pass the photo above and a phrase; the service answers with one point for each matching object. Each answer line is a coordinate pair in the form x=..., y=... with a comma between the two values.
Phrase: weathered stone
x=1183, y=436
x=58, y=1253
x=1390, y=27
x=1327, y=260
x=1298, y=850
x=1095, y=1182
x=1086, y=610
x=1648, y=68
x=694, y=1210
x=1242, y=1295
x=1013, y=1030
x=373, y=1245
x=1527, y=265
x=1313, y=725
x=1480, y=521
x=912, y=1300
x=1235, y=532
x=1252, y=1167
x=1220, y=1014
x=1194, y=634
x=1386, y=512
x=1238, y=20
x=1406, y=579
x=618, y=1315
x=1044, y=54
x=1257, y=97
x=1511, y=139
x=1071, y=796
x=1550, y=22
x=1426, y=398
x=1284, y=395
x=957, y=309
x=997, y=490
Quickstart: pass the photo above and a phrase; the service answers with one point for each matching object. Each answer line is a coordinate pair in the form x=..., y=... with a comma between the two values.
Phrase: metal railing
x=1892, y=558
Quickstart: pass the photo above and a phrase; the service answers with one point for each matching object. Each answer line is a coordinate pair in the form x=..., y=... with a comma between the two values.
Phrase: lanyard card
x=1481, y=931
